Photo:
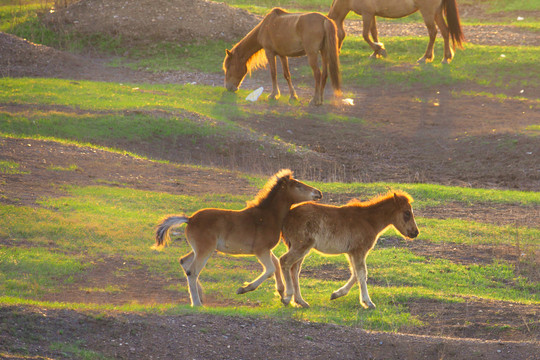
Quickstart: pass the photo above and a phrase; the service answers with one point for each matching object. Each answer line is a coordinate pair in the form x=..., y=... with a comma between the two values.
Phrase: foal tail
x=162, y=230
x=454, y=25
x=332, y=53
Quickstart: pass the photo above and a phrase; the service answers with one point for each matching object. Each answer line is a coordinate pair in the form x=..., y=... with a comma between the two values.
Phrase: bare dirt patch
x=150, y=21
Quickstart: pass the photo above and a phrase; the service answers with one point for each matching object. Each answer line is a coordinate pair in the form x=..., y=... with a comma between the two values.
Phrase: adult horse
x=352, y=229
x=254, y=230
x=286, y=34
x=431, y=10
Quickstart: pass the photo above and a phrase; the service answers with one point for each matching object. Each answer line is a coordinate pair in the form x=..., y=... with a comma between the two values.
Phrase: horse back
x=329, y=229
x=233, y=231
x=287, y=34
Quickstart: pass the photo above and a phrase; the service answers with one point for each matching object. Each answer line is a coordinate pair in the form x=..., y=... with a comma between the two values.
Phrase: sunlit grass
x=99, y=221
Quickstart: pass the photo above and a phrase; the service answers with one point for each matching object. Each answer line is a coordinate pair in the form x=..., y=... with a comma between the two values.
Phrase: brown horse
x=252, y=231
x=431, y=10
x=284, y=34
x=352, y=229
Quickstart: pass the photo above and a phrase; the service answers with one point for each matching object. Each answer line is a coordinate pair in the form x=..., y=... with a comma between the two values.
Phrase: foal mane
x=381, y=198
x=267, y=193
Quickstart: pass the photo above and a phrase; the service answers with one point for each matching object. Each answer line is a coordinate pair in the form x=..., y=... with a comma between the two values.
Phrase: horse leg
x=313, y=59
x=185, y=262
x=367, y=20
x=287, y=76
x=429, y=20
x=375, y=36
x=324, y=74
x=287, y=261
x=193, y=271
x=360, y=268
x=441, y=23
x=295, y=273
x=280, y=287
x=271, y=57
x=268, y=270
x=344, y=290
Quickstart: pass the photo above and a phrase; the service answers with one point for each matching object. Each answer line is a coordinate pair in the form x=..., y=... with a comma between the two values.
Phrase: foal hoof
x=302, y=304
x=286, y=301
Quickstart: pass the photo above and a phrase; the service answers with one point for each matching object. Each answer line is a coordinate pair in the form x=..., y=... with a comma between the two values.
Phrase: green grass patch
x=100, y=221
x=10, y=167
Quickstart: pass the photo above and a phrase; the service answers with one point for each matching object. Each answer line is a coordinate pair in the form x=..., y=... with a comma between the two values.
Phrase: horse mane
x=267, y=193
x=257, y=60
x=381, y=198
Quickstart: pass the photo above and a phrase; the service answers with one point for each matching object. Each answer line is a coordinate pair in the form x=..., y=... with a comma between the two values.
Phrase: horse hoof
x=293, y=100
x=383, y=53
x=302, y=304
x=333, y=296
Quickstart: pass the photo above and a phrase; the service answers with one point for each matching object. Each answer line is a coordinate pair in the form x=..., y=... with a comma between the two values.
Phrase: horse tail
x=162, y=230
x=454, y=25
x=332, y=52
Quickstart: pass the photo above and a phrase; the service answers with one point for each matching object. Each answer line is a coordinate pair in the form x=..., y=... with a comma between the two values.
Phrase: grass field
x=53, y=244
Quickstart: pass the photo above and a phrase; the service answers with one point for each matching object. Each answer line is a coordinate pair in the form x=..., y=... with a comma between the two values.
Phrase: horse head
x=404, y=218
x=235, y=70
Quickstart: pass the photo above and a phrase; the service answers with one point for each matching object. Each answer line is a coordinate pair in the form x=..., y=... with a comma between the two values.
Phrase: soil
x=419, y=135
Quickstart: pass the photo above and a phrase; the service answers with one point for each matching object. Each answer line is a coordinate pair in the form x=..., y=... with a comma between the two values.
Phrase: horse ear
x=228, y=52
x=397, y=200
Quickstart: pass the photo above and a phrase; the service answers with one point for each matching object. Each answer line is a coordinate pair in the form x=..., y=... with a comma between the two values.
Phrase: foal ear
x=397, y=199
x=228, y=52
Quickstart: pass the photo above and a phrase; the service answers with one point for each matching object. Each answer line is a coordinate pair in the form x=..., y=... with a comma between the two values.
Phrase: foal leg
x=287, y=261
x=429, y=20
x=271, y=57
x=280, y=287
x=185, y=262
x=193, y=271
x=295, y=273
x=344, y=290
x=268, y=270
x=287, y=76
x=360, y=269
x=441, y=23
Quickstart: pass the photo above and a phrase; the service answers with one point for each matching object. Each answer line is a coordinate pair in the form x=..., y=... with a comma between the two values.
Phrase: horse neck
x=379, y=214
x=279, y=206
x=249, y=45
x=338, y=12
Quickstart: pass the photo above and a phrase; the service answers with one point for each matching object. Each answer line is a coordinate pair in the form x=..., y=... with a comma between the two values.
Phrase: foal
x=253, y=230
x=352, y=229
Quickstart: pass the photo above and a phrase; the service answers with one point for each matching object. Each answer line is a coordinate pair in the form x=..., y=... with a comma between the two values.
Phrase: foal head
x=284, y=187
x=403, y=215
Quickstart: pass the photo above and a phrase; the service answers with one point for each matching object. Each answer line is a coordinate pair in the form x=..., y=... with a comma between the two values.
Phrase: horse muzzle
x=231, y=87
x=413, y=233
x=317, y=195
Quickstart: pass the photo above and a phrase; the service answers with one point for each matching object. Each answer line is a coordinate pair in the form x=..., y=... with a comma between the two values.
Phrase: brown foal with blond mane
x=254, y=230
x=431, y=10
x=352, y=229
x=286, y=34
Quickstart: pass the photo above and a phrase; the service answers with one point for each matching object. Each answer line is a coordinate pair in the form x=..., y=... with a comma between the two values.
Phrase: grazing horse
x=254, y=230
x=352, y=229
x=431, y=10
x=285, y=34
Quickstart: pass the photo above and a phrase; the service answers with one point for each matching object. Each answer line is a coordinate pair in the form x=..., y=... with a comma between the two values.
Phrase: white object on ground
x=255, y=95
x=348, y=101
